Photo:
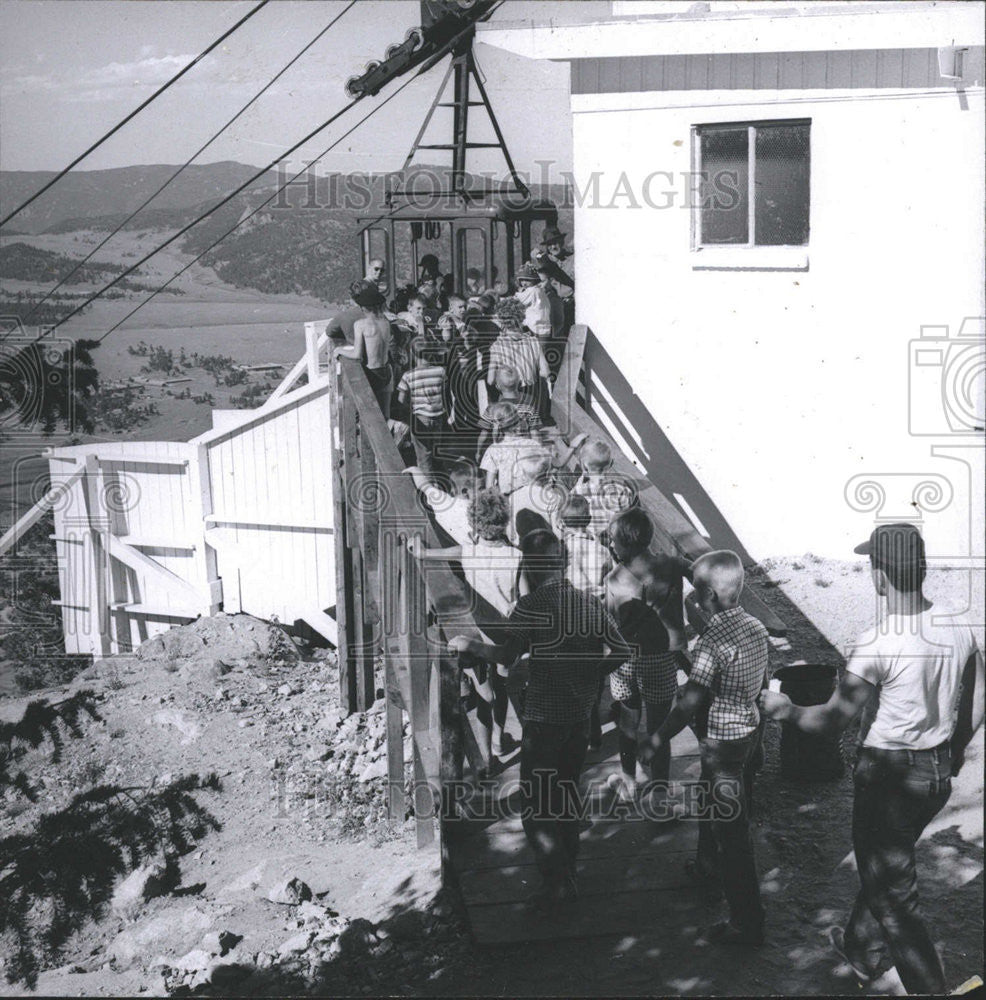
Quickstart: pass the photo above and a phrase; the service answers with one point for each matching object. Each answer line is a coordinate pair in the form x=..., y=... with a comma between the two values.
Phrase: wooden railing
x=387, y=603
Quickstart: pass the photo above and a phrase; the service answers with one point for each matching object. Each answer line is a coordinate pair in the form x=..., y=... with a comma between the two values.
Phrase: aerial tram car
x=490, y=229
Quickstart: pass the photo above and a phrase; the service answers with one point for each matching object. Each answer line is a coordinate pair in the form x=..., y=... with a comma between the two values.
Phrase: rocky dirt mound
x=303, y=879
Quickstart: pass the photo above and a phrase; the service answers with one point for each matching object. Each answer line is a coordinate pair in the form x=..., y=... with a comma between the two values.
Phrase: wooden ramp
x=631, y=869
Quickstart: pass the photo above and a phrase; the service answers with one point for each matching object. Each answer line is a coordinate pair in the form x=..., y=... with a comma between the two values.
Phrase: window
x=753, y=184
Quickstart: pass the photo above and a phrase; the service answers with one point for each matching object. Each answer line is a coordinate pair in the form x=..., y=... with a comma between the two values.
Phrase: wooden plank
x=136, y=560
x=206, y=563
x=28, y=520
x=157, y=611
x=101, y=641
x=620, y=913
x=563, y=397
x=322, y=623
x=451, y=752
x=346, y=697
x=598, y=877
x=396, y=800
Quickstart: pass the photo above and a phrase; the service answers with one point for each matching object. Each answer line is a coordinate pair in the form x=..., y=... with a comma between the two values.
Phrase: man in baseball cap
x=918, y=677
x=898, y=551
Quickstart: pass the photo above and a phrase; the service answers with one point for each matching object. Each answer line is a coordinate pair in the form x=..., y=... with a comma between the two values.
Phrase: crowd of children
x=569, y=590
x=552, y=541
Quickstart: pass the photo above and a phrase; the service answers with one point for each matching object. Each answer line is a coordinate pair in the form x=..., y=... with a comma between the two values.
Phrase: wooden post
x=96, y=561
x=360, y=665
x=414, y=649
x=450, y=763
x=347, y=693
x=206, y=563
x=311, y=352
x=395, y=748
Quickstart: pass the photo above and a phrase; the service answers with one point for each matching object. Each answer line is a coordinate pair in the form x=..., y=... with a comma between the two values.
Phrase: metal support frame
x=463, y=69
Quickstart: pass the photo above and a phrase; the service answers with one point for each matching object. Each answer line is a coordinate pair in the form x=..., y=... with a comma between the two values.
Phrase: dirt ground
x=267, y=731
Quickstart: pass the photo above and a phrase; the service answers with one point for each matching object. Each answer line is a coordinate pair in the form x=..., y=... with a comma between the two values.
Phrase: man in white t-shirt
x=918, y=674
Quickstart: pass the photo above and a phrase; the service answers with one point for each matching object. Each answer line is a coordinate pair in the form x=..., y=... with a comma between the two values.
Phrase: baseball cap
x=897, y=545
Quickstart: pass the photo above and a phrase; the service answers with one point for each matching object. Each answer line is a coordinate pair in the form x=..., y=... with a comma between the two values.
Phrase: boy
x=508, y=387
x=588, y=562
x=425, y=385
x=571, y=639
x=918, y=677
x=729, y=670
x=607, y=493
x=644, y=593
x=491, y=566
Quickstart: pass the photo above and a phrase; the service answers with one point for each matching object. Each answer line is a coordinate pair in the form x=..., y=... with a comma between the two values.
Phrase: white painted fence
x=149, y=535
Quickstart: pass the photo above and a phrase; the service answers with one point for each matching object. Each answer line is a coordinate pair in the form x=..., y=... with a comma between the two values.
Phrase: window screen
x=776, y=155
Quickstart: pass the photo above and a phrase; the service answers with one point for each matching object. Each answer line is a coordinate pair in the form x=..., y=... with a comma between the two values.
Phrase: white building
x=771, y=333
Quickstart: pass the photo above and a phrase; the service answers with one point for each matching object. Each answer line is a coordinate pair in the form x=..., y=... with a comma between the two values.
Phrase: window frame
x=776, y=250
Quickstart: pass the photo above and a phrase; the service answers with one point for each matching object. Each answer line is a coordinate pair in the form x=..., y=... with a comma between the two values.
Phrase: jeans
x=551, y=759
x=657, y=712
x=725, y=843
x=426, y=433
x=898, y=792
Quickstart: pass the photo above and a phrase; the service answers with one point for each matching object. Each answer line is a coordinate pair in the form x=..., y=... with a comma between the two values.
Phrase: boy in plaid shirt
x=571, y=639
x=607, y=492
x=729, y=670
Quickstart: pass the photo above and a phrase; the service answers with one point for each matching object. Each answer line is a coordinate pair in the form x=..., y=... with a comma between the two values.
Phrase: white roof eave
x=923, y=27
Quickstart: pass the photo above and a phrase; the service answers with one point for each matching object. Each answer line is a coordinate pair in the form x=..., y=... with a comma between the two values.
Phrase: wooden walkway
x=631, y=870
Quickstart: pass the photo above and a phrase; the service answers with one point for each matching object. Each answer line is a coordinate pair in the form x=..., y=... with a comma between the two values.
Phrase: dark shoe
x=726, y=933
x=837, y=938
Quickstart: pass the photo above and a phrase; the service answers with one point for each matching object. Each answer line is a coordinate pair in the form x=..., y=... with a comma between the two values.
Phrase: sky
x=69, y=71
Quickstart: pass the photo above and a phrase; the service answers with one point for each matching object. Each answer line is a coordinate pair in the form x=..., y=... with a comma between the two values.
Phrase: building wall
x=785, y=390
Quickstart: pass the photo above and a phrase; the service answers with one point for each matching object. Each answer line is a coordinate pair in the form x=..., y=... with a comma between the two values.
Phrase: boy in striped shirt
x=425, y=385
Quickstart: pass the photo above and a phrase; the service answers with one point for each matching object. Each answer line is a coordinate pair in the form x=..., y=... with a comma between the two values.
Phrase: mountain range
x=304, y=240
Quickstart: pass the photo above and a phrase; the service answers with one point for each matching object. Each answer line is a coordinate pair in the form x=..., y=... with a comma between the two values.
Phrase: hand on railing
x=459, y=644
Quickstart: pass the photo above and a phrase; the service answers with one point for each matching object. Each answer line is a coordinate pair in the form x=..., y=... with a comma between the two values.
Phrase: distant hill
x=84, y=195
x=303, y=242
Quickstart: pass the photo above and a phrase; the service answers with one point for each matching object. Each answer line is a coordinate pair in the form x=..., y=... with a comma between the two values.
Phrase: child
x=450, y=507
x=425, y=385
x=371, y=344
x=534, y=503
x=512, y=441
x=588, y=561
x=572, y=641
x=644, y=592
x=728, y=673
x=508, y=387
x=607, y=493
x=518, y=349
x=537, y=306
x=491, y=566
